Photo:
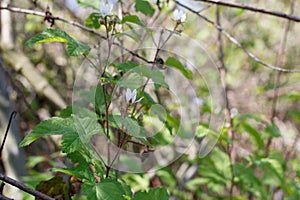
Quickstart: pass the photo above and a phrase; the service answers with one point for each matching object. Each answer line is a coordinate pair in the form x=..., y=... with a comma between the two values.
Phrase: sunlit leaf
x=74, y=48
x=53, y=126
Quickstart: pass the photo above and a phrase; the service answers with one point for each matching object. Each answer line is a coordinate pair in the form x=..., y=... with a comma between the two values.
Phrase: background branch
x=250, y=8
x=223, y=74
x=25, y=188
x=237, y=43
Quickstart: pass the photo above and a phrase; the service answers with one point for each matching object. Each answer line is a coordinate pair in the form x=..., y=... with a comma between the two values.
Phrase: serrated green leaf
x=53, y=126
x=173, y=62
x=105, y=190
x=130, y=126
x=49, y=35
x=82, y=172
x=144, y=7
x=155, y=75
x=133, y=19
x=131, y=81
x=153, y=194
x=74, y=48
x=86, y=128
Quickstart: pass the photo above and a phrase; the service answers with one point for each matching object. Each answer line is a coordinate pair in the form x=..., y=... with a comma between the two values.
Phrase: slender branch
x=237, y=43
x=12, y=115
x=223, y=74
x=250, y=8
x=25, y=188
x=74, y=23
x=4, y=197
x=43, y=14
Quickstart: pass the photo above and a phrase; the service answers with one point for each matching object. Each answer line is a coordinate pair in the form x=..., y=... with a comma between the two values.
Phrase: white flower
x=106, y=8
x=194, y=5
x=179, y=15
x=131, y=96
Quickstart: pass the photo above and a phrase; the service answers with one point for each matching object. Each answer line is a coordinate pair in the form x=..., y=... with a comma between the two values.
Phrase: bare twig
x=25, y=188
x=4, y=197
x=237, y=43
x=260, y=10
x=279, y=63
x=20, y=92
x=223, y=74
x=12, y=115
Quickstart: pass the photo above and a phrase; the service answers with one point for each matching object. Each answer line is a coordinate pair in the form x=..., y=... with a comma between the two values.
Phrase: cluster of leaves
x=91, y=174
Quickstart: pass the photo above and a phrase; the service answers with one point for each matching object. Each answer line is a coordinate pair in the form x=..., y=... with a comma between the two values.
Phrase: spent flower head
x=179, y=15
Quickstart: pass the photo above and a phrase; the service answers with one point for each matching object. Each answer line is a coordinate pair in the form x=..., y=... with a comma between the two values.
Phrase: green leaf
x=93, y=20
x=126, y=66
x=66, y=112
x=133, y=19
x=130, y=126
x=86, y=128
x=275, y=174
x=254, y=134
x=82, y=172
x=144, y=7
x=173, y=62
x=95, y=4
x=53, y=126
x=132, y=81
x=167, y=176
x=153, y=194
x=272, y=131
x=156, y=75
x=248, y=181
x=74, y=48
x=105, y=190
x=195, y=183
x=203, y=130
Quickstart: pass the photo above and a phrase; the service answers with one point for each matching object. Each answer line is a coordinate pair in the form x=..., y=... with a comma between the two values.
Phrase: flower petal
x=128, y=95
